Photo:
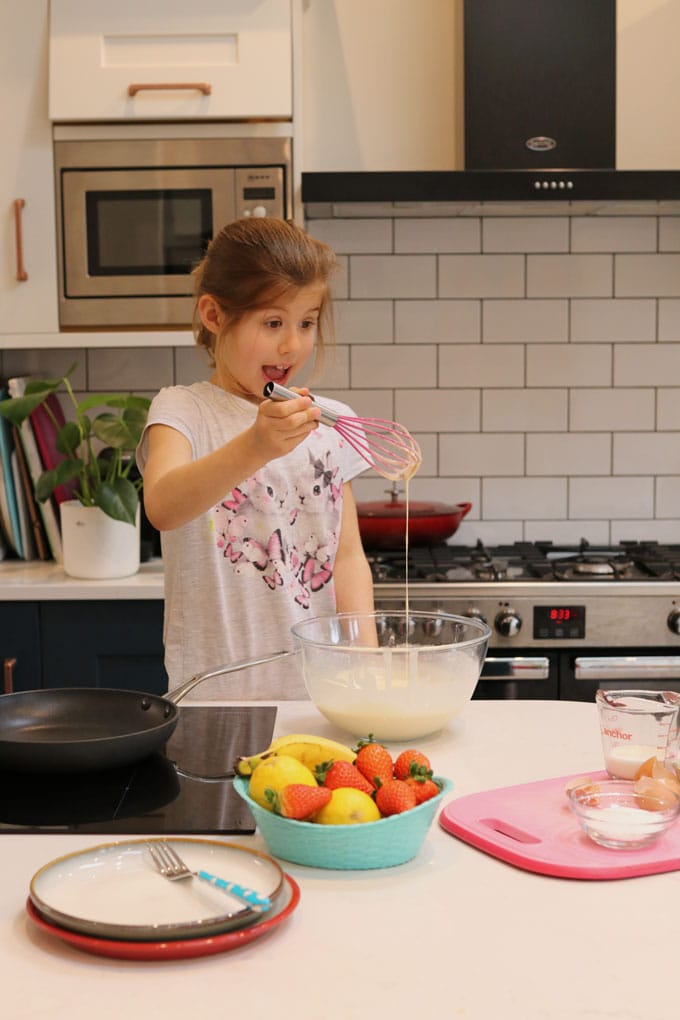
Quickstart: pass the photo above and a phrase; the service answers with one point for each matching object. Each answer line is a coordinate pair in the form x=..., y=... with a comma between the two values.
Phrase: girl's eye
x=308, y=323
x=273, y=323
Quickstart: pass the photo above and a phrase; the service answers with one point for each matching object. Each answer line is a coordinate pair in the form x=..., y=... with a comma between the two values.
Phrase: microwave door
x=139, y=233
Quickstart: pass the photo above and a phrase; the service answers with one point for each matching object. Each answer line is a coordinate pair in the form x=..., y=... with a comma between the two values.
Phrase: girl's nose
x=289, y=342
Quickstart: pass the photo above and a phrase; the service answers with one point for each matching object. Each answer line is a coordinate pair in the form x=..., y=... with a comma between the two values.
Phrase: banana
x=306, y=747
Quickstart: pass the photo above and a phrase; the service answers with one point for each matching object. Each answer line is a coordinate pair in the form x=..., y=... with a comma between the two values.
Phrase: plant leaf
x=118, y=499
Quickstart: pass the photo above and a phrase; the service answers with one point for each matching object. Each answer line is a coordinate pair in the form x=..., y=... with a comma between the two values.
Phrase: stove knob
x=475, y=614
x=673, y=621
x=508, y=622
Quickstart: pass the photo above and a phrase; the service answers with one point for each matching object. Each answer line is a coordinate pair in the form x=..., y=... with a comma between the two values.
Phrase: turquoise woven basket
x=381, y=844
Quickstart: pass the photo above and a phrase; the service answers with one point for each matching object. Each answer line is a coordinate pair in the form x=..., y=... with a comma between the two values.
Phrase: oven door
x=646, y=670
x=519, y=676
x=138, y=233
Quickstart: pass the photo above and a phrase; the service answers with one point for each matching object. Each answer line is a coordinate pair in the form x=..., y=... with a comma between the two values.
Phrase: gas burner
x=489, y=572
x=591, y=566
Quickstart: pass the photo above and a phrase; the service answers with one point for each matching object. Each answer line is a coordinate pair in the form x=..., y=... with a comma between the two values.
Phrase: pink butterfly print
x=316, y=579
x=231, y=553
x=274, y=580
x=236, y=498
x=260, y=556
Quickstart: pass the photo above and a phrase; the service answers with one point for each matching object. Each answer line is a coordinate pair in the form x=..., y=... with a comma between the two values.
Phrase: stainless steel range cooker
x=564, y=619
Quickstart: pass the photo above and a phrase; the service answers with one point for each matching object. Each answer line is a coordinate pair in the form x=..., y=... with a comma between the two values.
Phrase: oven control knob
x=508, y=622
x=674, y=621
x=475, y=614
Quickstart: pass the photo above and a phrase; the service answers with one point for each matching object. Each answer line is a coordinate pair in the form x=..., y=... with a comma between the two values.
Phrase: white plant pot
x=96, y=546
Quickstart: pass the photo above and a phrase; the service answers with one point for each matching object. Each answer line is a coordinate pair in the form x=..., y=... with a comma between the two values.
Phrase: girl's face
x=271, y=343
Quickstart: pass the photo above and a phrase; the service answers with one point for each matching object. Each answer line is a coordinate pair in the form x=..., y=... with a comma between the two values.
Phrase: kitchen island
x=454, y=933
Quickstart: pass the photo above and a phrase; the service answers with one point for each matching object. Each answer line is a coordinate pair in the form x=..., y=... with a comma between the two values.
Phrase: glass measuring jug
x=636, y=726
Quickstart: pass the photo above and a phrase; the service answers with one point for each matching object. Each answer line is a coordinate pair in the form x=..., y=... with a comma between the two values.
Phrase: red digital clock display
x=553, y=623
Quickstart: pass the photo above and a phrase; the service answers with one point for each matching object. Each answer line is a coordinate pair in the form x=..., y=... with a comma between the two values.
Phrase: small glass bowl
x=614, y=815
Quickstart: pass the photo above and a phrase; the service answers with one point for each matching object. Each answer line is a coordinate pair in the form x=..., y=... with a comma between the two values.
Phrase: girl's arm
x=352, y=574
x=177, y=489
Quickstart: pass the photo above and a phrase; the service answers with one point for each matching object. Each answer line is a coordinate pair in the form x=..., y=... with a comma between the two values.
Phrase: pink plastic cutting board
x=532, y=827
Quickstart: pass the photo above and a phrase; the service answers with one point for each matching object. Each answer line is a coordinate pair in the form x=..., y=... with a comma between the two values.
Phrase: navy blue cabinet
x=20, y=644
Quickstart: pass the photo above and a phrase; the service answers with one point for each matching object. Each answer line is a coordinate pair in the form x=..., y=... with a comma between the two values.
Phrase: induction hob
x=182, y=790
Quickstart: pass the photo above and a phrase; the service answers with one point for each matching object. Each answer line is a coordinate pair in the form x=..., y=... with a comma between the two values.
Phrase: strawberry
x=297, y=800
x=338, y=774
x=374, y=762
x=412, y=763
x=395, y=796
x=424, y=788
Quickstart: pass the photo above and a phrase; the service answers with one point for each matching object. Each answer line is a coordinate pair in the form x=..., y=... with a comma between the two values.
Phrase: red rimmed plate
x=175, y=949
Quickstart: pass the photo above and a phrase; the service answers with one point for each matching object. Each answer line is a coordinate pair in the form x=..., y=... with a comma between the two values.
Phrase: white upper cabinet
x=170, y=60
x=28, y=264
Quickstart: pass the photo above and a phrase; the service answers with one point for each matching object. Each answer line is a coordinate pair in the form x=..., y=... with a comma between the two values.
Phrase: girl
x=252, y=496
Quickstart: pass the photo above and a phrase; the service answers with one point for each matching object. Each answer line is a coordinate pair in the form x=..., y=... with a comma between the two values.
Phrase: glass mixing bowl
x=396, y=675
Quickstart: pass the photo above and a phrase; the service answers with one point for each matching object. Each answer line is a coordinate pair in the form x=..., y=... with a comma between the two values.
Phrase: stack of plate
x=111, y=900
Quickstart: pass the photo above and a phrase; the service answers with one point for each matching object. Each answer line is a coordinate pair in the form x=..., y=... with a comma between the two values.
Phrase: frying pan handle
x=8, y=675
x=178, y=693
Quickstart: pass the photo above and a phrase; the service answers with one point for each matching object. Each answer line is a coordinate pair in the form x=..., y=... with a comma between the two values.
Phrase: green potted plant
x=98, y=464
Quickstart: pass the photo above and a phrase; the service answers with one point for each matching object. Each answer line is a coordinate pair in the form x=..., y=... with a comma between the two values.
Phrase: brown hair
x=251, y=263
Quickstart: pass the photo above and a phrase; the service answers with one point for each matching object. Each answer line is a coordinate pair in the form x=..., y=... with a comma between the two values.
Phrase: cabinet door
x=20, y=641
x=28, y=254
x=104, y=644
x=220, y=58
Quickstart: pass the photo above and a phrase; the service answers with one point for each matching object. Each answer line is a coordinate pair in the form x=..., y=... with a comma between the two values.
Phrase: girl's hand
x=281, y=425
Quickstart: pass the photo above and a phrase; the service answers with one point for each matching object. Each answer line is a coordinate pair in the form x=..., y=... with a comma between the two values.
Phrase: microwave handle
x=200, y=86
x=624, y=667
x=516, y=668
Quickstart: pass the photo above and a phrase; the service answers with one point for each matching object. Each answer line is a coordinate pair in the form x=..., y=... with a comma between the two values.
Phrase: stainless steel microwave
x=134, y=216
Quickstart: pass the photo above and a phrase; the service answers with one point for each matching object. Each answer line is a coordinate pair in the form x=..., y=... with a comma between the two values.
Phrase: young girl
x=252, y=496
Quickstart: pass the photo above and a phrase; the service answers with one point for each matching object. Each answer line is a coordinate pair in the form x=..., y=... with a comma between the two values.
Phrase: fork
x=171, y=866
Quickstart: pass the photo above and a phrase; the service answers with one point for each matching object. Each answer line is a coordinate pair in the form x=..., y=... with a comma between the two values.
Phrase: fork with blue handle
x=171, y=866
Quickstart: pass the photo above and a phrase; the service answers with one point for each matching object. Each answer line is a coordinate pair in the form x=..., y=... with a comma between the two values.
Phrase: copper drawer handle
x=200, y=86
x=8, y=670
x=19, y=204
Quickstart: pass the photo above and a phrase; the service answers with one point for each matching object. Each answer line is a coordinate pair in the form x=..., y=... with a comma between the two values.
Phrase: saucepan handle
x=178, y=693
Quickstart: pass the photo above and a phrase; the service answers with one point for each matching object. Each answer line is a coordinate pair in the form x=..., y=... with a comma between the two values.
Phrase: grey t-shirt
x=239, y=576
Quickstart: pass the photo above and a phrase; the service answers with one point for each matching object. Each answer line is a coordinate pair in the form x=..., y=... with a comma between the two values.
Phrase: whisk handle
x=276, y=392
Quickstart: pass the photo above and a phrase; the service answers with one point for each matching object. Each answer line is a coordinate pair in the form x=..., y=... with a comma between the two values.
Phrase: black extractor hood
x=540, y=115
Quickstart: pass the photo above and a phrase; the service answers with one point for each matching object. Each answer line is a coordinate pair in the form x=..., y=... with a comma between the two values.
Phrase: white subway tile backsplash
x=526, y=321
x=364, y=321
x=569, y=275
x=191, y=365
x=524, y=498
x=669, y=318
x=481, y=365
x=437, y=235
x=130, y=368
x=613, y=233
x=669, y=233
x=668, y=408
x=569, y=365
x=481, y=454
x=617, y=319
x=594, y=409
x=524, y=410
x=506, y=234
x=364, y=403
x=490, y=533
x=567, y=532
x=568, y=453
x=653, y=531
x=668, y=498
x=48, y=364
x=437, y=321
x=647, y=365
x=401, y=365
x=393, y=276
x=647, y=275
x=349, y=237
x=612, y=498
x=440, y=410
x=642, y=453
x=466, y=276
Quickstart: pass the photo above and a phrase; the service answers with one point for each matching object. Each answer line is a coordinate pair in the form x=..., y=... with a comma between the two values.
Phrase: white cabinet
x=28, y=268
x=169, y=59
x=382, y=85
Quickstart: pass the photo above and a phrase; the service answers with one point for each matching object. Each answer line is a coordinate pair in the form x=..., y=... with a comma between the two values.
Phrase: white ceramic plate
x=177, y=949
x=114, y=891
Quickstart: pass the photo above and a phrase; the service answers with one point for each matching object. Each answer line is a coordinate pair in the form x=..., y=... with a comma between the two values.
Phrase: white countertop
x=454, y=933
x=37, y=581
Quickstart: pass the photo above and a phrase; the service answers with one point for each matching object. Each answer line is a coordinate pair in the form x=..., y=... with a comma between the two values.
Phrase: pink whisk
x=387, y=446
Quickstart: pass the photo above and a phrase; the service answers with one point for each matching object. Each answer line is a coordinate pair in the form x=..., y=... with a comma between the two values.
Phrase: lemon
x=348, y=806
x=274, y=774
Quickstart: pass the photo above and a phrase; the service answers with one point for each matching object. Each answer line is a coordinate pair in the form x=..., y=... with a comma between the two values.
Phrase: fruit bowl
x=399, y=676
x=382, y=844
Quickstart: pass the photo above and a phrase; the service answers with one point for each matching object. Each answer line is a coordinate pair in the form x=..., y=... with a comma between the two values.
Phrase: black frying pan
x=80, y=729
